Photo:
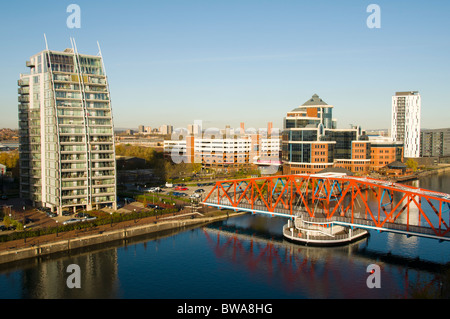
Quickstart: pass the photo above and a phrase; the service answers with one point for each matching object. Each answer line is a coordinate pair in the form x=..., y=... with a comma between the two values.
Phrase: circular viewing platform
x=321, y=234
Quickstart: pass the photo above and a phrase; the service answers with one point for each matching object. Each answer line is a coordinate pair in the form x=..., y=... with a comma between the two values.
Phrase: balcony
x=102, y=174
x=23, y=107
x=24, y=98
x=23, y=82
x=73, y=176
x=30, y=64
x=104, y=168
x=23, y=90
x=68, y=188
x=72, y=196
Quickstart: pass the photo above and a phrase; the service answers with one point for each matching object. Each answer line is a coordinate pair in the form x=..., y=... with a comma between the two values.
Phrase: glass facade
x=343, y=139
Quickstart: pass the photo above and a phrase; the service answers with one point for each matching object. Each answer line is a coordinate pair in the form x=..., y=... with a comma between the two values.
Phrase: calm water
x=243, y=257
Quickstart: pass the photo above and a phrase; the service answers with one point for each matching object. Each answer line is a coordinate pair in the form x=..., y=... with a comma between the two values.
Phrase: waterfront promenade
x=65, y=241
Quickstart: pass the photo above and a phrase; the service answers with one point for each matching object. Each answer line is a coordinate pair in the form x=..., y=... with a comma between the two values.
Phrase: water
x=243, y=257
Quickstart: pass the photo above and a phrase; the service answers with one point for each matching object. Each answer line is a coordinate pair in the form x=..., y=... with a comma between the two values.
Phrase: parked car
x=67, y=213
x=3, y=228
x=200, y=190
x=82, y=215
x=71, y=221
x=50, y=214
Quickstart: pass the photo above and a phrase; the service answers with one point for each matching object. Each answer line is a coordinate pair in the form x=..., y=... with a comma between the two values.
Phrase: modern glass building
x=67, y=153
x=311, y=142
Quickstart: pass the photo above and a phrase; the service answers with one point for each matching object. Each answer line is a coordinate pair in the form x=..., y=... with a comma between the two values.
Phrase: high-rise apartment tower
x=405, y=125
x=67, y=154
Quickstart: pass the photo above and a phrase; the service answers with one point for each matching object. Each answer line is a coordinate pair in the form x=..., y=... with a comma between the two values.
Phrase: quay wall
x=100, y=238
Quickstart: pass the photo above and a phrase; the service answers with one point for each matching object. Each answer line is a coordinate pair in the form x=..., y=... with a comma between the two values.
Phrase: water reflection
x=47, y=280
x=242, y=257
x=314, y=272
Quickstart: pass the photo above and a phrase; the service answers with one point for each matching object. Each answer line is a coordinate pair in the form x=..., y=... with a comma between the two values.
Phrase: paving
x=41, y=220
x=33, y=241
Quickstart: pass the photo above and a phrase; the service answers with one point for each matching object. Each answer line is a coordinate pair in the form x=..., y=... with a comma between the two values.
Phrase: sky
x=226, y=62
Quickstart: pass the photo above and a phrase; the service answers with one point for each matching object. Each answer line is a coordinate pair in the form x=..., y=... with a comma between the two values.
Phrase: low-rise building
x=225, y=150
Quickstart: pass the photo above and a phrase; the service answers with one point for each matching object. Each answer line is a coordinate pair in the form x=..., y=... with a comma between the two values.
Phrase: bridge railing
x=348, y=221
x=330, y=238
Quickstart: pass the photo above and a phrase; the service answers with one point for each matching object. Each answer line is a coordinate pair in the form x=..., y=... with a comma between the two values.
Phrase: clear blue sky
x=226, y=62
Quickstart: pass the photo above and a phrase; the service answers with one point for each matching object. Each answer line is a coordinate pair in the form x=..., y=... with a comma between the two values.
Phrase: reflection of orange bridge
x=340, y=200
x=318, y=272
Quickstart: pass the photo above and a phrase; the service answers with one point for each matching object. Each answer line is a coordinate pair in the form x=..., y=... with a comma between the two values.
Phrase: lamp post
x=23, y=215
x=56, y=228
x=111, y=218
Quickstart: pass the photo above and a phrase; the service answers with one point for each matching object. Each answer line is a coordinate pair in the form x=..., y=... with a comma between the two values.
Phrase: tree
x=410, y=163
x=11, y=161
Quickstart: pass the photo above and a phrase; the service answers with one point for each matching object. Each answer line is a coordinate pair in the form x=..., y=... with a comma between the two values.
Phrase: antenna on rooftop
x=46, y=44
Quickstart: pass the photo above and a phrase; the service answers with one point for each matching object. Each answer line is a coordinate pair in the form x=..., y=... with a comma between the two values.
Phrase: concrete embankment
x=444, y=169
x=420, y=174
x=102, y=238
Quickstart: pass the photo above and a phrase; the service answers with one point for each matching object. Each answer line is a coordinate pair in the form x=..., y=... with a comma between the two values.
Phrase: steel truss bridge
x=338, y=199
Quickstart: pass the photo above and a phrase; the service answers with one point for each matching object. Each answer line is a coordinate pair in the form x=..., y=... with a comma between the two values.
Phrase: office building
x=225, y=150
x=67, y=155
x=311, y=142
x=384, y=151
x=405, y=125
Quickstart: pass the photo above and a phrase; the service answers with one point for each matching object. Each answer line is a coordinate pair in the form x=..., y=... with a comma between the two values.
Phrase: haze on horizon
x=175, y=62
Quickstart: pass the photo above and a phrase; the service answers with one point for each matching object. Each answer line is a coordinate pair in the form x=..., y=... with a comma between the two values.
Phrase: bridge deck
x=358, y=221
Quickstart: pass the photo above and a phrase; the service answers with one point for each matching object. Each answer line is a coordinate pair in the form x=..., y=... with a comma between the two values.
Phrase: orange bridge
x=341, y=200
